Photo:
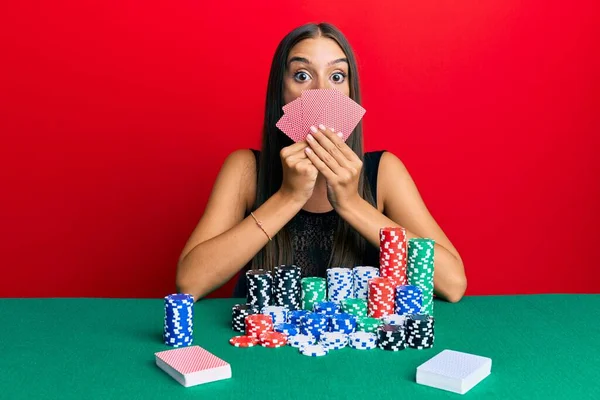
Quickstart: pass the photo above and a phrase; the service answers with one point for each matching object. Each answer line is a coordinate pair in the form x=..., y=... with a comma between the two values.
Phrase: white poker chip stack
x=279, y=314
x=340, y=284
x=361, y=276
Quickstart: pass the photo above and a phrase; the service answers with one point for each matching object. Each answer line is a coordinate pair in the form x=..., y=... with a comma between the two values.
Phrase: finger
x=325, y=138
x=338, y=142
x=320, y=165
x=289, y=150
x=324, y=155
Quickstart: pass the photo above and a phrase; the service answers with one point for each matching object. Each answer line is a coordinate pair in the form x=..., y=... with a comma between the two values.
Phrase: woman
x=318, y=203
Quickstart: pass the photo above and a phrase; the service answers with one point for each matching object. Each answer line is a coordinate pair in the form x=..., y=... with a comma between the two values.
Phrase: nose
x=322, y=83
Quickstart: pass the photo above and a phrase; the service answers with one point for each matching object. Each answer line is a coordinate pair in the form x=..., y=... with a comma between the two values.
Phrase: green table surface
x=541, y=346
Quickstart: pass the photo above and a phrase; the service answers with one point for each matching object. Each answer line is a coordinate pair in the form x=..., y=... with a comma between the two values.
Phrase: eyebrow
x=306, y=61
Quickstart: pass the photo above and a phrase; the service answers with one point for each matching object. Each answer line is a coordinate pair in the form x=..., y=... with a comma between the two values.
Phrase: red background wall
x=115, y=118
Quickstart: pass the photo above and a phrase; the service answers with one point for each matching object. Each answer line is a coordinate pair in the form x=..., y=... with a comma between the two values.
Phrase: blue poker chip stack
x=314, y=324
x=361, y=276
x=343, y=322
x=409, y=300
x=179, y=315
x=326, y=308
x=340, y=284
x=297, y=315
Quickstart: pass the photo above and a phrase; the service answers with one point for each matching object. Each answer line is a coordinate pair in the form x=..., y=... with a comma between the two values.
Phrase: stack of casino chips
x=326, y=307
x=278, y=314
x=392, y=254
x=273, y=339
x=368, y=324
x=286, y=287
x=420, y=269
x=314, y=324
x=360, y=277
x=339, y=284
x=333, y=340
x=343, y=322
x=314, y=290
x=381, y=297
x=287, y=329
x=409, y=300
x=356, y=307
x=394, y=319
x=362, y=340
x=257, y=324
x=178, y=323
x=419, y=331
x=260, y=288
x=296, y=316
x=239, y=312
x=391, y=337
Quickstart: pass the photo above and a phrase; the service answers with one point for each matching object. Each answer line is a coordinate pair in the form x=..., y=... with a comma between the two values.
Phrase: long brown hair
x=348, y=245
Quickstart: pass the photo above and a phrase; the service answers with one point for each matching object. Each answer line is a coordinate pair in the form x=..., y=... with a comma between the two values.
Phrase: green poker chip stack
x=314, y=290
x=420, y=269
x=356, y=307
x=368, y=324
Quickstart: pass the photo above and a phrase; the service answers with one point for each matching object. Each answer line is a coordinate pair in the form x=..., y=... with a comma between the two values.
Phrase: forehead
x=319, y=50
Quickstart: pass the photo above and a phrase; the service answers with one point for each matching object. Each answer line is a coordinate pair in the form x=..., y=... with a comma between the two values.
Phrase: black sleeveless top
x=312, y=233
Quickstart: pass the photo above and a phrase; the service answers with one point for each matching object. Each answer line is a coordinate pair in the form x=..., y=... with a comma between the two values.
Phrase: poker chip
x=301, y=340
x=287, y=290
x=279, y=314
x=314, y=324
x=360, y=278
x=314, y=290
x=273, y=339
x=313, y=350
x=258, y=324
x=296, y=316
x=420, y=331
x=362, y=340
x=339, y=284
x=368, y=324
x=239, y=312
x=409, y=300
x=343, y=322
x=178, y=321
x=260, y=288
x=381, y=297
x=286, y=329
x=391, y=338
x=244, y=341
x=420, y=269
x=393, y=254
x=326, y=308
x=333, y=340
x=394, y=319
x=356, y=307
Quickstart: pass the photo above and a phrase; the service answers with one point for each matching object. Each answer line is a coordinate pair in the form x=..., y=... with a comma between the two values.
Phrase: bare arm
x=224, y=241
x=404, y=207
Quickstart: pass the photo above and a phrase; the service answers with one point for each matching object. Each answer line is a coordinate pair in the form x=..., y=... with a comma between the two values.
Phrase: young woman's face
x=315, y=64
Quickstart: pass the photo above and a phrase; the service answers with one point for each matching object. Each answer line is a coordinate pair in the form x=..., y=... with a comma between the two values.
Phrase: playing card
x=192, y=365
x=314, y=103
x=285, y=125
x=293, y=110
x=454, y=371
x=342, y=113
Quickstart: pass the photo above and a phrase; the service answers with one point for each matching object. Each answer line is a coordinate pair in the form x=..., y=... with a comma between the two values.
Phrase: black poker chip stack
x=391, y=338
x=260, y=288
x=419, y=331
x=239, y=312
x=287, y=288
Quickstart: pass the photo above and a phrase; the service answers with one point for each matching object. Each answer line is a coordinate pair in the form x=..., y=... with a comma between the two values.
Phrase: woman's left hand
x=338, y=163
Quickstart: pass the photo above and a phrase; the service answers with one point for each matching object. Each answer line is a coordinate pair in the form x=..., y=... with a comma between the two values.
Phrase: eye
x=301, y=76
x=338, y=77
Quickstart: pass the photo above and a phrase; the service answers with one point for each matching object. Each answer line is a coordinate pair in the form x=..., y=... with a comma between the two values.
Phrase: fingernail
x=309, y=137
x=340, y=134
x=322, y=127
x=308, y=150
x=332, y=130
x=313, y=129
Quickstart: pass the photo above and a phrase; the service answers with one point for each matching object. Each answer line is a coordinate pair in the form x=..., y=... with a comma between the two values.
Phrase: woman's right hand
x=299, y=173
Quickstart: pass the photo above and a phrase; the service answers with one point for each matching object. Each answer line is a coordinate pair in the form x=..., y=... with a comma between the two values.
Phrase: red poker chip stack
x=273, y=339
x=381, y=297
x=393, y=254
x=257, y=324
